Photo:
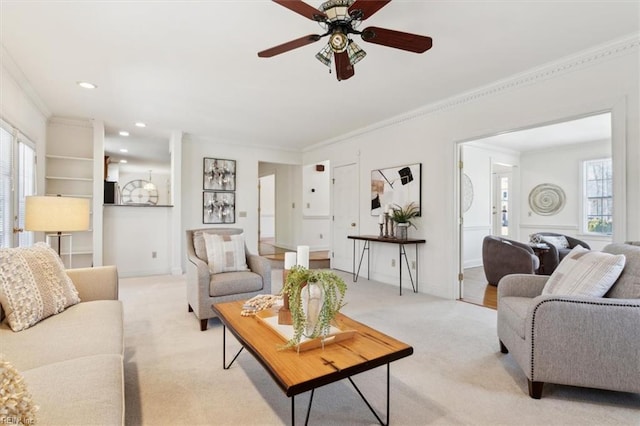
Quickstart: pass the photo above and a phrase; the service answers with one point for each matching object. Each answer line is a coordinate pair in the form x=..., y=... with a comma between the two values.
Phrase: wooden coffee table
x=295, y=372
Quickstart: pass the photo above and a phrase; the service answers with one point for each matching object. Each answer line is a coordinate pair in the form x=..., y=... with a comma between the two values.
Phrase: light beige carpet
x=456, y=376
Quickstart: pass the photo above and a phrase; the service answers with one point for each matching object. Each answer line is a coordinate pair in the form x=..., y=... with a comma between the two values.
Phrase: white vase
x=401, y=231
x=312, y=301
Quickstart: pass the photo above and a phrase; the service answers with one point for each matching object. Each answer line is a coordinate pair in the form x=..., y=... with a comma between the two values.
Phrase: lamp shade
x=56, y=214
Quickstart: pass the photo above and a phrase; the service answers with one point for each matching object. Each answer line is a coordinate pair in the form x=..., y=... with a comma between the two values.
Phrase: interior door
x=345, y=215
x=501, y=206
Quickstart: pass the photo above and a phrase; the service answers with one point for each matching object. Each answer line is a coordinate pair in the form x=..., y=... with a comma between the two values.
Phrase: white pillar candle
x=289, y=260
x=303, y=256
x=381, y=219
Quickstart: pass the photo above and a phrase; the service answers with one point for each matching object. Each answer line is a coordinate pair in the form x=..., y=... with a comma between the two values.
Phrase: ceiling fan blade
x=367, y=7
x=397, y=39
x=344, y=69
x=290, y=45
x=303, y=9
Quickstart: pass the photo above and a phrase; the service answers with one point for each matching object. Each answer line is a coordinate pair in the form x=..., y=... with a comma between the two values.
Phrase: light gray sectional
x=72, y=362
x=569, y=340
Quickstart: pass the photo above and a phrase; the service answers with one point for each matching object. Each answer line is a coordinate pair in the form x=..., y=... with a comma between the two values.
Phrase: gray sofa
x=72, y=362
x=204, y=288
x=577, y=341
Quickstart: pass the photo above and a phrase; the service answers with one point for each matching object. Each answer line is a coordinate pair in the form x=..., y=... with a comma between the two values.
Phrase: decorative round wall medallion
x=467, y=192
x=547, y=199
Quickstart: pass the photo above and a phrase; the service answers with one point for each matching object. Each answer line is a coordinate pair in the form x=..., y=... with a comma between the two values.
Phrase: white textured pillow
x=33, y=285
x=16, y=405
x=225, y=253
x=559, y=242
x=585, y=273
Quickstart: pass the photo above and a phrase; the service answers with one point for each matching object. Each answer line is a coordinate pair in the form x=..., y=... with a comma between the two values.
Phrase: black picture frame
x=396, y=186
x=218, y=174
x=218, y=207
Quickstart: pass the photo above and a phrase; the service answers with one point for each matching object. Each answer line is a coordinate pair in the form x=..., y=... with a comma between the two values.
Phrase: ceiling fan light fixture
x=337, y=10
x=355, y=52
x=325, y=55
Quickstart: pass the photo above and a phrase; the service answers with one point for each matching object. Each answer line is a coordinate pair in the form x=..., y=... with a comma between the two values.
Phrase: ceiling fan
x=340, y=19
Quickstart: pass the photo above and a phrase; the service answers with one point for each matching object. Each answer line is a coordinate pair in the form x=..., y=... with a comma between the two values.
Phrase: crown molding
x=580, y=60
x=7, y=62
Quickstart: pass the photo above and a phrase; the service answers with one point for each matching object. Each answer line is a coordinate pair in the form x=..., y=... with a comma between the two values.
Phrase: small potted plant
x=402, y=216
x=315, y=297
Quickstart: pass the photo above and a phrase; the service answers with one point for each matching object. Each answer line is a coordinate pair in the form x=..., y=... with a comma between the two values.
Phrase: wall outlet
x=154, y=254
x=413, y=264
x=393, y=263
x=321, y=236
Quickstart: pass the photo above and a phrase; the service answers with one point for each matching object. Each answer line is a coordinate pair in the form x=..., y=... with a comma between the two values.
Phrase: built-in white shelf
x=66, y=157
x=69, y=178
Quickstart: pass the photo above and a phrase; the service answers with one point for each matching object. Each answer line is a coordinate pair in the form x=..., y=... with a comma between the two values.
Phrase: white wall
x=603, y=79
x=131, y=237
x=563, y=168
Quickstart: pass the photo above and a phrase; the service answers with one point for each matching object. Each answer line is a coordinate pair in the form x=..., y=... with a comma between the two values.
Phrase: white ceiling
x=595, y=128
x=193, y=66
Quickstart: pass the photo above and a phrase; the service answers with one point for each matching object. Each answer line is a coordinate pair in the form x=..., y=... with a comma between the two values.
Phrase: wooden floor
x=477, y=290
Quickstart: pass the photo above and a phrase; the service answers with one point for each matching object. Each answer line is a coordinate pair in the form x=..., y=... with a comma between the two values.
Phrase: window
x=598, y=196
x=17, y=181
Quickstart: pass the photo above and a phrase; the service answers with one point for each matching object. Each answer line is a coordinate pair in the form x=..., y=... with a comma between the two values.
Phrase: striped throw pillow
x=585, y=273
x=225, y=253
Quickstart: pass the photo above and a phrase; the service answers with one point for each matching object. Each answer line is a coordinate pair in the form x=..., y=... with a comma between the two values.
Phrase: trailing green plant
x=405, y=214
x=333, y=291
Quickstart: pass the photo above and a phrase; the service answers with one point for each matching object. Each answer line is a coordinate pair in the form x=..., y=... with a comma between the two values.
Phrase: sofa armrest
x=521, y=285
x=592, y=342
x=261, y=266
x=99, y=283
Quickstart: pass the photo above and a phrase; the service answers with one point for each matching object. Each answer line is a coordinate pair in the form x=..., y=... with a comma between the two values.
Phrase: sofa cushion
x=514, y=312
x=16, y=404
x=585, y=273
x=234, y=283
x=628, y=284
x=33, y=285
x=82, y=391
x=225, y=253
x=88, y=328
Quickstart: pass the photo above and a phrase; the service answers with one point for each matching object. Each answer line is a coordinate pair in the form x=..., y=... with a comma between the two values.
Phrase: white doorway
x=345, y=215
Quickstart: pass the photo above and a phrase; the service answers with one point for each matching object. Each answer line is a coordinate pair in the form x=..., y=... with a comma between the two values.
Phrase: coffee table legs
x=293, y=401
x=224, y=349
x=306, y=421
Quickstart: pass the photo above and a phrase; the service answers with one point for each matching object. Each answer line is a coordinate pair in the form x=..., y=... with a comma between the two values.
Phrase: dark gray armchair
x=551, y=259
x=204, y=288
x=501, y=256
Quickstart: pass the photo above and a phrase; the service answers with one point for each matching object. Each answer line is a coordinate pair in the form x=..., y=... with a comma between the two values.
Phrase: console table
x=368, y=239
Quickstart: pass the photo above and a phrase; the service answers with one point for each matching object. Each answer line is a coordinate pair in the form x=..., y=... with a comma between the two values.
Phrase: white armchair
x=204, y=288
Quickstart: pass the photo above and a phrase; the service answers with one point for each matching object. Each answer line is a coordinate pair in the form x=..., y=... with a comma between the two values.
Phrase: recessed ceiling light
x=124, y=133
x=123, y=161
x=124, y=150
x=140, y=124
x=86, y=85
